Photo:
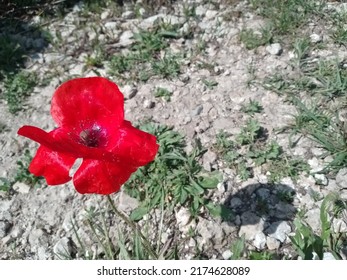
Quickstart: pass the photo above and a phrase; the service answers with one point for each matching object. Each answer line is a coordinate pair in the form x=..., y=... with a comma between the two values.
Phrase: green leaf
x=138, y=213
x=220, y=210
x=209, y=182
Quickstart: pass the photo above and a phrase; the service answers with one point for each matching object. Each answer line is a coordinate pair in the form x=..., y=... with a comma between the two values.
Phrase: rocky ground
x=217, y=77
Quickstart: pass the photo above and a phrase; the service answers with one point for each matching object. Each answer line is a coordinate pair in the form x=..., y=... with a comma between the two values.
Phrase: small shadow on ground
x=21, y=38
x=269, y=203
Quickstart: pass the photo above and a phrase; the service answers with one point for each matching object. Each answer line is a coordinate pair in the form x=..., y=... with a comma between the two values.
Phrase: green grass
x=286, y=17
x=252, y=107
x=324, y=82
x=253, y=39
x=251, y=146
x=306, y=242
x=11, y=55
x=149, y=56
x=22, y=174
x=174, y=178
x=163, y=93
x=17, y=88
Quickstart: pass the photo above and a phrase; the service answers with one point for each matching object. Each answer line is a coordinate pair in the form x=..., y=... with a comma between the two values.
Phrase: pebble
x=312, y=218
x=183, y=217
x=105, y=14
x=200, y=10
x=279, y=230
x=272, y=243
x=321, y=179
x=315, y=38
x=339, y=225
x=210, y=232
x=128, y=15
x=148, y=104
x=209, y=158
x=127, y=203
x=4, y=228
x=227, y=254
x=263, y=193
x=259, y=241
x=197, y=111
x=126, y=38
x=274, y=49
x=210, y=14
x=341, y=178
x=129, y=91
x=111, y=25
x=251, y=225
x=235, y=202
x=21, y=187
x=63, y=248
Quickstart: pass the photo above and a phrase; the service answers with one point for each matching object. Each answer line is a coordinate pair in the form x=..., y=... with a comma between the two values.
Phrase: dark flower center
x=93, y=137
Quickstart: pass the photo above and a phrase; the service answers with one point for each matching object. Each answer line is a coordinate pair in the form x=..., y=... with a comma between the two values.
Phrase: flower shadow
x=261, y=207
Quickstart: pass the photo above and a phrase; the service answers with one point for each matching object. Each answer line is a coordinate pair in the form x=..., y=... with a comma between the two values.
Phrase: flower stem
x=130, y=223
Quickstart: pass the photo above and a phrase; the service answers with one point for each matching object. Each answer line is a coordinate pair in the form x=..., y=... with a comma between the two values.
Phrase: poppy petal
x=52, y=165
x=101, y=177
x=85, y=101
x=135, y=145
x=59, y=141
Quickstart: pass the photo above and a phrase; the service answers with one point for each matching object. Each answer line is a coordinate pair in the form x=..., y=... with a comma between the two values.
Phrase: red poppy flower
x=90, y=117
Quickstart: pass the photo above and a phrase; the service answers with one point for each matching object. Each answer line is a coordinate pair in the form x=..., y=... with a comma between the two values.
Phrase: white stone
x=127, y=203
x=272, y=243
x=227, y=254
x=279, y=230
x=126, y=39
x=104, y=15
x=128, y=15
x=339, y=225
x=321, y=179
x=21, y=187
x=200, y=10
x=183, y=217
x=210, y=232
x=259, y=241
x=315, y=165
x=274, y=49
x=62, y=248
x=341, y=178
x=315, y=38
x=111, y=25
x=251, y=225
x=313, y=220
x=327, y=256
x=210, y=14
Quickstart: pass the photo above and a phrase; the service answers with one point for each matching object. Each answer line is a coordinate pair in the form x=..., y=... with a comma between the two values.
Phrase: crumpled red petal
x=52, y=165
x=101, y=177
x=137, y=146
x=84, y=101
x=59, y=141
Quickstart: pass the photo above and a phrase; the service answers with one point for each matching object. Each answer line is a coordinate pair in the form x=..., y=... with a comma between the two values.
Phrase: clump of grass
x=250, y=147
x=307, y=242
x=22, y=174
x=11, y=55
x=253, y=39
x=163, y=93
x=174, y=178
x=17, y=88
x=287, y=16
x=149, y=56
x=210, y=84
x=252, y=107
